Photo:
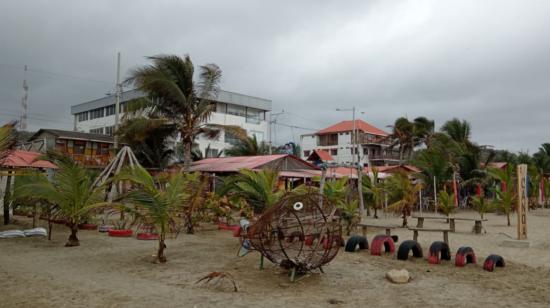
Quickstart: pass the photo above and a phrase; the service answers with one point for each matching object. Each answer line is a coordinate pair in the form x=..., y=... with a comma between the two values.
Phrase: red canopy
x=25, y=159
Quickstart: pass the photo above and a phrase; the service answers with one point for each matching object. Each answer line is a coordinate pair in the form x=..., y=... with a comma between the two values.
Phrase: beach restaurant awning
x=25, y=159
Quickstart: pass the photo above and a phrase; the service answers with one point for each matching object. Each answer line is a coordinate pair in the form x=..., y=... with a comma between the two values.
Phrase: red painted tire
x=147, y=236
x=87, y=226
x=465, y=255
x=380, y=241
x=493, y=261
x=439, y=251
x=120, y=233
x=237, y=231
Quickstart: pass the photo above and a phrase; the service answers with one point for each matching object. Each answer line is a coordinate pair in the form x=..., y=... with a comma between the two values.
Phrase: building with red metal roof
x=25, y=159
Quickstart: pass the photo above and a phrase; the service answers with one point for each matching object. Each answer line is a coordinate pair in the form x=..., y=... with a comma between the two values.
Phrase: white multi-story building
x=248, y=112
x=334, y=144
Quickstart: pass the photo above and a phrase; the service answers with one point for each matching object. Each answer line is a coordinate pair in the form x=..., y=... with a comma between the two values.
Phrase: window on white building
x=236, y=110
x=83, y=116
x=334, y=152
x=110, y=110
x=231, y=138
x=97, y=113
x=97, y=131
x=109, y=130
x=253, y=115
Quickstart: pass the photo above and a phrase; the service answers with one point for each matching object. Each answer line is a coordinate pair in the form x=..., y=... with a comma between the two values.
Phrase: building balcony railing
x=376, y=140
x=98, y=160
x=384, y=157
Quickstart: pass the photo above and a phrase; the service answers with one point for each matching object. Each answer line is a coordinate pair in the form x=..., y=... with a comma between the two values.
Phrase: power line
x=46, y=72
x=39, y=118
x=297, y=127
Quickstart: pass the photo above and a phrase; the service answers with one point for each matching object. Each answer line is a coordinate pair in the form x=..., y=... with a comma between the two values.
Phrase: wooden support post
x=261, y=262
x=446, y=237
x=388, y=231
x=420, y=223
x=293, y=274
x=415, y=235
x=364, y=229
x=452, y=224
x=478, y=227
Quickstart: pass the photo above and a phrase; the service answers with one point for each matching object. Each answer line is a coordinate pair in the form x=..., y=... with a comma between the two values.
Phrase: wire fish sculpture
x=300, y=233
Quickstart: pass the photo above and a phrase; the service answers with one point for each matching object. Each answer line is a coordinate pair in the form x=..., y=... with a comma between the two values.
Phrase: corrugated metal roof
x=67, y=134
x=223, y=97
x=234, y=164
x=347, y=126
x=323, y=155
x=25, y=159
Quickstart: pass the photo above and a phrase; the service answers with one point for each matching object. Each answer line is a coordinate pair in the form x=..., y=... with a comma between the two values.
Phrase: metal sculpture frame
x=300, y=233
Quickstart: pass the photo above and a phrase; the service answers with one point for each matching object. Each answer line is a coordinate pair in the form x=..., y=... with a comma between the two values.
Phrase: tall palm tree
x=458, y=130
x=149, y=139
x=176, y=99
x=164, y=208
x=423, y=129
x=403, y=136
x=248, y=146
x=258, y=189
x=72, y=192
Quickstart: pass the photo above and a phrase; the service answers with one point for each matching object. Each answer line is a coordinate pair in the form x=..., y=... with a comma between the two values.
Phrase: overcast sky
x=484, y=61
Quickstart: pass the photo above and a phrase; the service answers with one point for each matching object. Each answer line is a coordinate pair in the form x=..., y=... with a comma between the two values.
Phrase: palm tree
x=164, y=208
x=149, y=139
x=423, y=129
x=177, y=99
x=71, y=191
x=403, y=136
x=197, y=154
x=258, y=189
x=403, y=193
x=373, y=188
x=480, y=205
x=248, y=146
x=7, y=140
x=446, y=202
x=458, y=130
x=433, y=163
x=506, y=197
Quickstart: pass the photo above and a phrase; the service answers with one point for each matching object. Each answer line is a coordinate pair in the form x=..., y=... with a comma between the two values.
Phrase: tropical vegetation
x=70, y=190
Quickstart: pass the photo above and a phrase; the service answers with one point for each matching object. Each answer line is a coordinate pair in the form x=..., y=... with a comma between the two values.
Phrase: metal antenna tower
x=23, y=120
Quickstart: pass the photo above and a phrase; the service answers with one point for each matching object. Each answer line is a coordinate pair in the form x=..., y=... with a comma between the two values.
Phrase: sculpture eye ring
x=298, y=206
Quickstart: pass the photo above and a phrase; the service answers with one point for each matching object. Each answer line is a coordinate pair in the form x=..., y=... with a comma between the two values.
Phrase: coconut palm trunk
x=187, y=155
x=73, y=239
x=161, y=257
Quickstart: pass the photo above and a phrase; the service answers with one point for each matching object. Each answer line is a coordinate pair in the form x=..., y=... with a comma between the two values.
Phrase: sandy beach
x=117, y=272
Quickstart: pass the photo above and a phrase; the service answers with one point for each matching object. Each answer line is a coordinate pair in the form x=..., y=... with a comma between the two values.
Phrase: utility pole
x=23, y=119
x=273, y=122
x=357, y=165
x=117, y=100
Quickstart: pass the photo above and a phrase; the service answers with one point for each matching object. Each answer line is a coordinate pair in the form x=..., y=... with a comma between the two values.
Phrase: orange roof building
x=336, y=140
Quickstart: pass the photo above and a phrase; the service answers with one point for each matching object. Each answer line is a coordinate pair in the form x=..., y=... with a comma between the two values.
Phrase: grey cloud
x=483, y=61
